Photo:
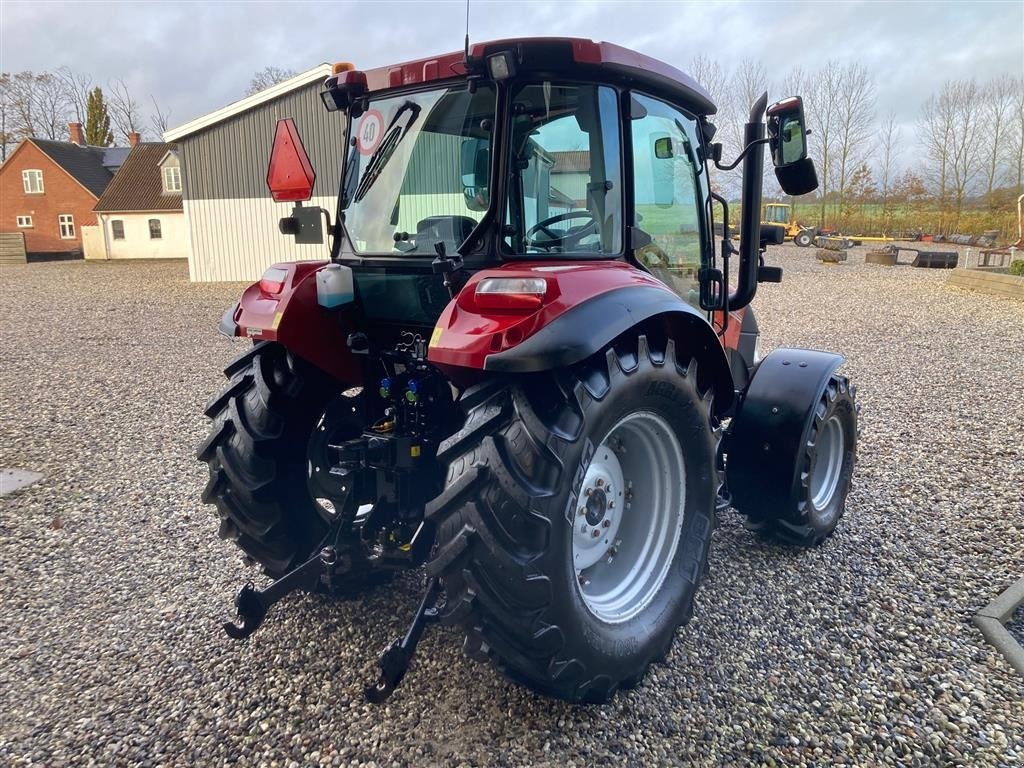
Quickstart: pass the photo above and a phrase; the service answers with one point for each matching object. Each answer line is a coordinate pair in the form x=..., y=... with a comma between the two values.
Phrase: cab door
x=670, y=194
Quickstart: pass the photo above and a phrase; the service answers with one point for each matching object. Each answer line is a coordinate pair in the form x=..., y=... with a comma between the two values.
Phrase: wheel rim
x=829, y=448
x=628, y=518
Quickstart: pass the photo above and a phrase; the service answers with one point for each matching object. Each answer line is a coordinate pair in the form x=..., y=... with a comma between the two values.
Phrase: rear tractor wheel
x=263, y=451
x=574, y=528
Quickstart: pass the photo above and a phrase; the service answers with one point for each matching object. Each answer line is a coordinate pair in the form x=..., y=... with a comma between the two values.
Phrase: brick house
x=48, y=190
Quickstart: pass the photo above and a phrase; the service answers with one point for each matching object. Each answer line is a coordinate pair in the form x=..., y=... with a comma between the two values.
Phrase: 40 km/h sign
x=371, y=131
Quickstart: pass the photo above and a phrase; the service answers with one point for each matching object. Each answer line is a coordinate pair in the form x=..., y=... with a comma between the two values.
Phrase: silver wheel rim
x=829, y=448
x=628, y=517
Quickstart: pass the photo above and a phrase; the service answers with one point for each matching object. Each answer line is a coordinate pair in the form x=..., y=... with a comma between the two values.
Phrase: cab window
x=564, y=187
x=669, y=194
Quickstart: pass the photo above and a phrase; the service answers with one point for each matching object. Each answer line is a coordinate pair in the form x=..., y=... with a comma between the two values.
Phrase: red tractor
x=528, y=364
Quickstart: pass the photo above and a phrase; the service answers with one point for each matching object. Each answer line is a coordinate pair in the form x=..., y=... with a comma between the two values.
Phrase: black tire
x=803, y=239
x=804, y=522
x=256, y=453
x=503, y=545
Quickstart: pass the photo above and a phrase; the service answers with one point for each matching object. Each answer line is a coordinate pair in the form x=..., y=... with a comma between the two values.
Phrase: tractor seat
x=451, y=230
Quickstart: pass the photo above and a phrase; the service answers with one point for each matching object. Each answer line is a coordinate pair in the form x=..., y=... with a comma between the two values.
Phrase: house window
x=172, y=179
x=67, y=226
x=117, y=229
x=32, y=181
x=24, y=222
x=154, y=229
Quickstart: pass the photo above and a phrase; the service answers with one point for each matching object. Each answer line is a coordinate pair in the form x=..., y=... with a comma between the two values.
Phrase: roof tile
x=138, y=185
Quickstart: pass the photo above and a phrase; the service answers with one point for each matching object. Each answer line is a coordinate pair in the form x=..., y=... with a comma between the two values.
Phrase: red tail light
x=273, y=280
x=511, y=292
x=290, y=175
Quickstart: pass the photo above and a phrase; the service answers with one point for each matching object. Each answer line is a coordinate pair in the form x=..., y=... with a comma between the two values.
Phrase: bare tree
x=821, y=91
x=23, y=101
x=51, y=107
x=1014, y=144
x=950, y=129
x=76, y=87
x=997, y=103
x=160, y=120
x=267, y=77
x=124, y=109
x=889, y=146
x=7, y=137
x=710, y=74
x=855, y=116
x=935, y=125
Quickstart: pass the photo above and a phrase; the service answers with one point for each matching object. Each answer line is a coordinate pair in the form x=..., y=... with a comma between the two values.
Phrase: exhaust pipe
x=750, y=220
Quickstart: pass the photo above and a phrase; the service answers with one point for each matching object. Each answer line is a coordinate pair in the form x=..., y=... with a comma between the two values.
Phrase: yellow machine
x=779, y=213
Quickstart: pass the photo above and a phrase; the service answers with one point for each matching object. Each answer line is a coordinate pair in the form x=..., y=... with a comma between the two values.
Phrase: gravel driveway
x=113, y=583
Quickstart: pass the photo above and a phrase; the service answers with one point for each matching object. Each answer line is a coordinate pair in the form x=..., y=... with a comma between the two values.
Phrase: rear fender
x=293, y=318
x=586, y=307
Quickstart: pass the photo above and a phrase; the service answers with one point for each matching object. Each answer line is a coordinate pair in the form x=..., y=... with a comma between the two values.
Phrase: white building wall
x=173, y=243
x=237, y=239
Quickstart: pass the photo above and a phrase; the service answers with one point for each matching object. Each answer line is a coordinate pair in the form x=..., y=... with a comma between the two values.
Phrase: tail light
x=272, y=282
x=511, y=292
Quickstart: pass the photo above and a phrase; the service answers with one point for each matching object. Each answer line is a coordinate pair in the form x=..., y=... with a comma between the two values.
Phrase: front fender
x=767, y=436
x=293, y=318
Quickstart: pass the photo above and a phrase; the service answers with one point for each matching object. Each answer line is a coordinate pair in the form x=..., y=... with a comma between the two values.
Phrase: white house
x=139, y=213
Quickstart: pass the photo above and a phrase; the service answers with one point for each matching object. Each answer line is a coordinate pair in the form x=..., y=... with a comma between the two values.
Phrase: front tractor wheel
x=803, y=239
x=576, y=520
x=817, y=500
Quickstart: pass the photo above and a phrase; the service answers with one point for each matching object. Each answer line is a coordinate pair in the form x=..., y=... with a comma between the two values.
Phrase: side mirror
x=663, y=171
x=475, y=168
x=787, y=138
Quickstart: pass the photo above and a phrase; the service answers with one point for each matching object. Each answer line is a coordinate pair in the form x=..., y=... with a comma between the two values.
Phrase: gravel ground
x=113, y=583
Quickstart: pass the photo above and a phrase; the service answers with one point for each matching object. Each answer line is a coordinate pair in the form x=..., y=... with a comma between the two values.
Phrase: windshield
x=564, y=185
x=418, y=170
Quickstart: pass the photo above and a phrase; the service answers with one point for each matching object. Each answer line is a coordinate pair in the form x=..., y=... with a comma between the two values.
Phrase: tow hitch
x=395, y=660
x=252, y=605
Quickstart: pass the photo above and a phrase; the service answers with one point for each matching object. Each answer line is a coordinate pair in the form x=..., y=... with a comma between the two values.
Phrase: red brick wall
x=61, y=194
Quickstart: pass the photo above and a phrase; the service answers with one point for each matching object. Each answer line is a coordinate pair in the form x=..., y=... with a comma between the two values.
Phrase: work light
x=501, y=66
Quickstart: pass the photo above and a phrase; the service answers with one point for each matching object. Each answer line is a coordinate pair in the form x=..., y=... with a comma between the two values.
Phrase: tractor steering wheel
x=573, y=236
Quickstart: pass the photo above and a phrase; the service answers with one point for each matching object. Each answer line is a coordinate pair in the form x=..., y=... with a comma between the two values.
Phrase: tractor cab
x=538, y=150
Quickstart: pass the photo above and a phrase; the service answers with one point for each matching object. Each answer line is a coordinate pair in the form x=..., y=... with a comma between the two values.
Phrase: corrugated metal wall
x=238, y=239
x=229, y=159
x=232, y=220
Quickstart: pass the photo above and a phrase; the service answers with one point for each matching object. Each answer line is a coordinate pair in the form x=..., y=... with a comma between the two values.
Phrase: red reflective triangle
x=290, y=175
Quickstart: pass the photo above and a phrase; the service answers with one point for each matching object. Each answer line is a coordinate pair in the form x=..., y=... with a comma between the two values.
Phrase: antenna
x=466, y=54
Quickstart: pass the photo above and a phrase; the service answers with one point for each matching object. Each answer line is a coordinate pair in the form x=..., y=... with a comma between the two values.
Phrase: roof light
x=343, y=88
x=501, y=66
x=511, y=292
x=290, y=175
x=342, y=66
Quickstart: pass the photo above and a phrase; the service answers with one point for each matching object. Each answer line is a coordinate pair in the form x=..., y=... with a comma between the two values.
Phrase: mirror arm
x=742, y=154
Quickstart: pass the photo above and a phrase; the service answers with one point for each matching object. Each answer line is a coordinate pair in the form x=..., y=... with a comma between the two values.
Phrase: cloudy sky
x=197, y=56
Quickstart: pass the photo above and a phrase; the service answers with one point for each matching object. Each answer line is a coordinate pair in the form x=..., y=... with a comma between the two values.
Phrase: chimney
x=133, y=138
x=76, y=133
